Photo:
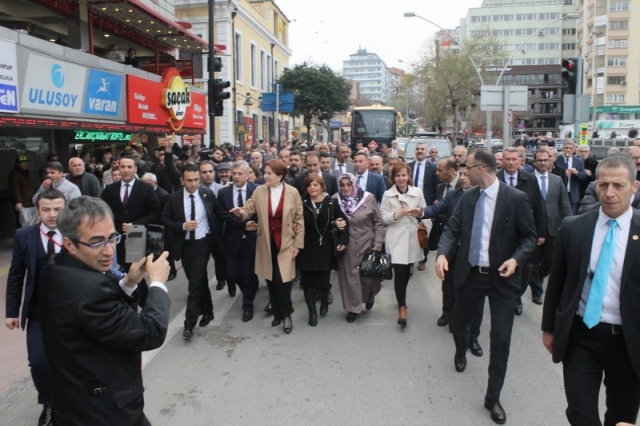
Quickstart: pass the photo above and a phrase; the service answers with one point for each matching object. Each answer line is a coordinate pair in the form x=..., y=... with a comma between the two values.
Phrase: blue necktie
x=417, y=175
x=476, y=231
x=599, y=282
x=543, y=190
x=358, y=182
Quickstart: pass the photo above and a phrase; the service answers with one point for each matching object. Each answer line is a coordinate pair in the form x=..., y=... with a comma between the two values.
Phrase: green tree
x=319, y=93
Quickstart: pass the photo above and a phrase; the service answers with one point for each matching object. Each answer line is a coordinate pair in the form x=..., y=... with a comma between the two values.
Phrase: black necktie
x=192, y=234
x=240, y=202
x=51, y=246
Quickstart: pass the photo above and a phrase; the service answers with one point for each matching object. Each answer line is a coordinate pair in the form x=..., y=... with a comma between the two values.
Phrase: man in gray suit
x=341, y=164
x=557, y=205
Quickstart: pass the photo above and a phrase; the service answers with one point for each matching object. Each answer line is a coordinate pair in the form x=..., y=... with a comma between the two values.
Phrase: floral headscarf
x=349, y=204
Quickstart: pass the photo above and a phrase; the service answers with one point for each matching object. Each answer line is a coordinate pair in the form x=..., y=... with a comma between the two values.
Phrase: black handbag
x=376, y=264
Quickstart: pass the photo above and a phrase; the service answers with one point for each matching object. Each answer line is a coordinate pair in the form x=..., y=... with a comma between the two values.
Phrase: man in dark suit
x=92, y=331
x=132, y=202
x=590, y=165
x=572, y=168
x=369, y=182
x=188, y=215
x=557, y=207
x=33, y=245
x=590, y=318
x=513, y=175
x=239, y=239
x=490, y=234
x=86, y=182
x=424, y=176
x=312, y=165
x=376, y=165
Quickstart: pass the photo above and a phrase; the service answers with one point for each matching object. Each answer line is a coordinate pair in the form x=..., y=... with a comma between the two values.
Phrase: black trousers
x=590, y=354
x=448, y=302
x=400, y=282
x=469, y=296
x=526, y=274
x=195, y=257
x=220, y=263
x=316, y=280
x=240, y=270
x=545, y=257
x=279, y=292
x=38, y=361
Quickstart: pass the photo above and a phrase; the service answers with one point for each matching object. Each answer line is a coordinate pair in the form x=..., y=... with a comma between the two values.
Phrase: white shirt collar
x=492, y=190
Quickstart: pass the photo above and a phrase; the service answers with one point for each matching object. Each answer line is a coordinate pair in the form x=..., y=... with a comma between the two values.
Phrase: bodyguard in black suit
x=312, y=165
x=32, y=247
x=590, y=318
x=92, y=330
x=572, y=169
x=239, y=238
x=490, y=233
x=427, y=179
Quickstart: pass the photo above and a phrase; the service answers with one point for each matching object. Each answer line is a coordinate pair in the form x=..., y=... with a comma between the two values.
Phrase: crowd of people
x=292, y=214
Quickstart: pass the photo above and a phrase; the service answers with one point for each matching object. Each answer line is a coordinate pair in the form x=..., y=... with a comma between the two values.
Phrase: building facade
x=372, y=75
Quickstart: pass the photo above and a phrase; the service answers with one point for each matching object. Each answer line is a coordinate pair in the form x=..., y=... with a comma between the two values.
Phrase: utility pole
x=210, y=85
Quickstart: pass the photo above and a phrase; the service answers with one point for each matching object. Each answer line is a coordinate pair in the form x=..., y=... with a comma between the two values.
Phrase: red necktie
x=125, y=199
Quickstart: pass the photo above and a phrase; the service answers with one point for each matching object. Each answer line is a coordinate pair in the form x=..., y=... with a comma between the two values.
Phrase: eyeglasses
x=100, y=245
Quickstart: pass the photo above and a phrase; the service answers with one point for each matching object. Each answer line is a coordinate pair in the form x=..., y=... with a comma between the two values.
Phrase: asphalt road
x=367, y=373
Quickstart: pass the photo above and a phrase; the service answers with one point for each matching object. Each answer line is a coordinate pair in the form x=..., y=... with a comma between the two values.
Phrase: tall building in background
x=605, y=33
x=512, y=22
x=372, y=75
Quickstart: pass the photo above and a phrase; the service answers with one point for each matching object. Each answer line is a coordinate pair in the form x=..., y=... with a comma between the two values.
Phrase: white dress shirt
x=363, y=180
x=611, y=304
x=539, y=178
x=507, y=178
x=235, y=195
x=202, y=229
x=569, y=162
x=275, y=194
x=419, y=182
x=489, y=210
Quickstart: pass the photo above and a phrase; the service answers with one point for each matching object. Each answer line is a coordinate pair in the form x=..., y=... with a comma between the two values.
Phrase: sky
x=328, y=31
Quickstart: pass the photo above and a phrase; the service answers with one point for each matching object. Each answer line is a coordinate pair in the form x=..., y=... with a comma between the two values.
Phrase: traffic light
x=570, y=75
x=217, y=64
x=219, y=95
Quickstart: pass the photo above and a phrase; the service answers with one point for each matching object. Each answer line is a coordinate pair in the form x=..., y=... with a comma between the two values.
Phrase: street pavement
x=370, y=372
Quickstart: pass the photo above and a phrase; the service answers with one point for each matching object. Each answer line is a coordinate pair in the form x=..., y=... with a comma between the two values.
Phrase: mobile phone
x=155, y=240
x=136, y=243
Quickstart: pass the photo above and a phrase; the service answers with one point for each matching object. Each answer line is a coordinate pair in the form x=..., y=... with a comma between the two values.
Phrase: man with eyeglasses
x=32, y=247
x=93, y=333
x=557, y=206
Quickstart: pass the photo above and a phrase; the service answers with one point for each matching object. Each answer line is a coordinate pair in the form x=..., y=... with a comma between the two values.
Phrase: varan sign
x=176, y=98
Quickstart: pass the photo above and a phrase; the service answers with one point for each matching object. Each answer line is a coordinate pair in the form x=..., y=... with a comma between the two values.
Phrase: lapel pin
x=635, y=238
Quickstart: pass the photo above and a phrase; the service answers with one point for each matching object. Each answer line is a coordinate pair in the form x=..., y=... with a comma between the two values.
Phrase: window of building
x=238, y=56
x=617, y=80
x=263, y=71
x=254, y=66
x=618, y=6
x=615, y=98
x=617, y=44
x=618, y=25
x=568, y=46
x=617, y=62
x=568, y=31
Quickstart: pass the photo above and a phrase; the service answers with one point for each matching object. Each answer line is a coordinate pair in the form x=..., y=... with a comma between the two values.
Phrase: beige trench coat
x=291, y=214
x=402, y=239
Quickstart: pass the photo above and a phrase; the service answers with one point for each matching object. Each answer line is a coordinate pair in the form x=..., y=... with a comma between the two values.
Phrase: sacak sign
x=176, y=98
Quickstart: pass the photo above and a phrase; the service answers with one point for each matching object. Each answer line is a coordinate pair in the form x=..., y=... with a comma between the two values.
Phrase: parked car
x=443, y=144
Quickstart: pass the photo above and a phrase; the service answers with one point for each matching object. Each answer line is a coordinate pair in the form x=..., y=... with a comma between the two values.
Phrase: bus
x=375, y=122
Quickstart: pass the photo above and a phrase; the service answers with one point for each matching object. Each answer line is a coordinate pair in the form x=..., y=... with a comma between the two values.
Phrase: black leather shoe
x=268, y=310
x=220, y=285
x=206, y=319
x=537, y=300
x=247, y=315
x=519, y=306
x=172, y=276
x=287, y=325
x=497, y=412
x=460, y=363
x=187, y=333
x=369, y=305
x=351, y=317
x=443, y=320
x=476, y=349
x=276, y=322
x=232, y=289
x=46, y=417
x=330, y=298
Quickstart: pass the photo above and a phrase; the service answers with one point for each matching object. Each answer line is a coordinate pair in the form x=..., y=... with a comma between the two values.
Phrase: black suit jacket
x=528, y=184
x=568, y=274
x=143, y=207
x=27, y=252
x=163, y=196
x=330, y=183
x=429, y=181
x=513, y=235
x=93, y=338
x=230, y=232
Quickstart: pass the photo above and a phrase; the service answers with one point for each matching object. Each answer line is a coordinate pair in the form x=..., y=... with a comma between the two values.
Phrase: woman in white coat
x=401, y=205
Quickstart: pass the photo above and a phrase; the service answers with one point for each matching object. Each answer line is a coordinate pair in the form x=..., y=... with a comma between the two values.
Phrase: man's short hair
x=541, y=151
x=325, y=155
x=50, y=194
x=209, y=162
x=83, y=208
x=152, y=177
x=361, y=153
x=55, y=165
x=485, y=158
x=451, y=163
x=618, y=160
x=189, y=167
x=312, y=154
x=241, y=164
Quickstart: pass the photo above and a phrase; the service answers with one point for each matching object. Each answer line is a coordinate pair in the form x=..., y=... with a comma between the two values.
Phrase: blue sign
x=284, y=104
x=8, y=98
x=103, y=93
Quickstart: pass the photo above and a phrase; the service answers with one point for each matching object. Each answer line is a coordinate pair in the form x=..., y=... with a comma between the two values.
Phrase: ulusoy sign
x=52, y=86
x=8, y=77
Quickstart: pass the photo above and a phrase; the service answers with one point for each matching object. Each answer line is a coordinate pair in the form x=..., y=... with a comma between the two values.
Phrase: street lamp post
x=464, y=50
x=594, y=79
